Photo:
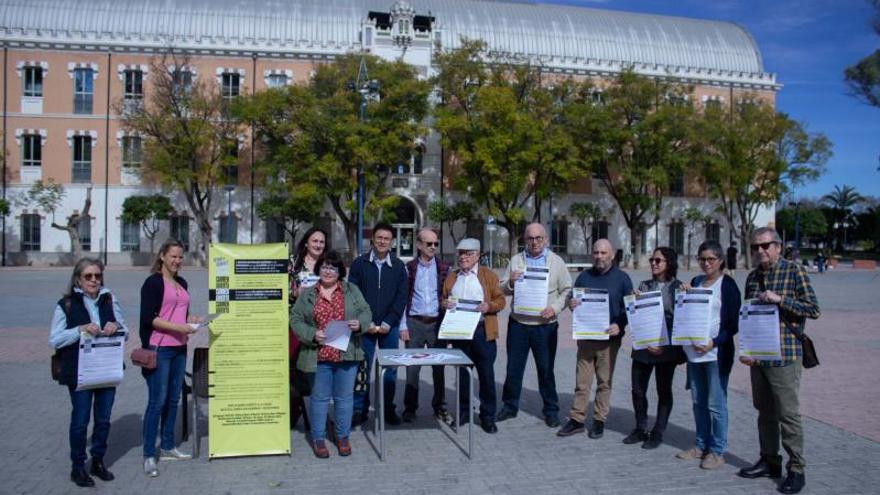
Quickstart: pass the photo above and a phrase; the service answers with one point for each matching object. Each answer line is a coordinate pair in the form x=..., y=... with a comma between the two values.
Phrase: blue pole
x=360, y=191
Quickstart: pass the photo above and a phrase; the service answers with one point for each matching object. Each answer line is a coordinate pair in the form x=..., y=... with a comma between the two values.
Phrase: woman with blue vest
x=86, y=308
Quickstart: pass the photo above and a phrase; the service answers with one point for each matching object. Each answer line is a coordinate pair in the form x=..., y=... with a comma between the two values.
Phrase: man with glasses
x=381, y=277
x=422, y=321
x=477, y=283
x=597, y=357
x=775, y=384
x=538, y=333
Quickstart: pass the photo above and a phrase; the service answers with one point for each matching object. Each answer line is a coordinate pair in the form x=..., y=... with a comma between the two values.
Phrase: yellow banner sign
x=249, y=412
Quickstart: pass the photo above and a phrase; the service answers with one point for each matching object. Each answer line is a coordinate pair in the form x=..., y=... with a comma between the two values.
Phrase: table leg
x=470, y=410
x=457, y=402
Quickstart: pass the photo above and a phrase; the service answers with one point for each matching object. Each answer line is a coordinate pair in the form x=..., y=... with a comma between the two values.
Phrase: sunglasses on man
x=763, y=245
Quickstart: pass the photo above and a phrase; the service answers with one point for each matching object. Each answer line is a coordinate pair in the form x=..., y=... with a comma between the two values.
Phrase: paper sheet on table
x=421, y=359
x=590, y=319
x=460, y=322
x=100, y=361
x=759, y=331
x=530, y=291
x=338, y=335
x=647, y=323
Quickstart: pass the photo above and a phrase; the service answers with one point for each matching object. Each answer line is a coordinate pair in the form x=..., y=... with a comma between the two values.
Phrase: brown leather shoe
x=691, y=454
x=343, y=446
x=320, y=449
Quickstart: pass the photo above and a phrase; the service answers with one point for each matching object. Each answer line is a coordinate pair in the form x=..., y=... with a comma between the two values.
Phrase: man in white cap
x=474, y=282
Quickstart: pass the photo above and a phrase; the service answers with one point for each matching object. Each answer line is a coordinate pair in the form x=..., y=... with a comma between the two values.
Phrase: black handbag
x=808, y=351
x=55, y=366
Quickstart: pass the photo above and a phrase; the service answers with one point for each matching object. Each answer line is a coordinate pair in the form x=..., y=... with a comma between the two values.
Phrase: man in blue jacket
x=381, y=277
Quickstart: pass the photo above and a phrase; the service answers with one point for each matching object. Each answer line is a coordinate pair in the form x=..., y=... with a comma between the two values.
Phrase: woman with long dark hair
x=164, y=326
x=87, y=307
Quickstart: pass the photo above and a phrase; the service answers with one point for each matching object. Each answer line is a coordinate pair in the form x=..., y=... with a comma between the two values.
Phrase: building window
x=228, y=229
x=275, y=231
x=82, y=158
x=132, y=151
x=559, y=236
x=713, y=231
x=230, y=170
x=131, y=237
x=676, y=236
x=30, y=232
x=419, y=159
x=33, y=81
x=597, y=97
x=134, y=84
x=182, y=79
x=599, y=230
x=276, y=80
x=83, y=90
x=230, y=85
x=84, y=227
x=31, y=150
x=180, y=230
x=676, y=185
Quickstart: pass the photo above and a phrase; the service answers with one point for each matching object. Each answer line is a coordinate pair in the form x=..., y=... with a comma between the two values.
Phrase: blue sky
x=807, y=44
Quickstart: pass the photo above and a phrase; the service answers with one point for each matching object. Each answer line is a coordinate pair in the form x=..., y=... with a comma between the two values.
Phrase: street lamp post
x=368, y=89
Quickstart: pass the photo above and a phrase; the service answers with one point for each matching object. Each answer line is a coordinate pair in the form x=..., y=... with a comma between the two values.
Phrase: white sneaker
x=173, y=455
x=150, y=467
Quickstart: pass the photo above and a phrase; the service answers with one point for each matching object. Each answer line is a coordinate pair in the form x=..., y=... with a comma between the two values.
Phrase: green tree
x=693, y=217
x=449, y=214
x=189, y=138
x=635, y=141
x=4, y=207
x=863, y=78
x=312, y=138
x=47, y=197
x=585, y=214
x=301, y=205
x=842, y=201
x=147, y=211
x=504, y=128
x=868, y=227
x=813, y=224
x=750, y=155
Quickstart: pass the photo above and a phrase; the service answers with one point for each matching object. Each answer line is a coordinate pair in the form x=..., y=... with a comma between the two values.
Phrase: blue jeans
x=79, y=422
x=388, y=341
x=482, y=353
x=164, y=384
x=336, y=381
x=541, y=339
x=710, y=406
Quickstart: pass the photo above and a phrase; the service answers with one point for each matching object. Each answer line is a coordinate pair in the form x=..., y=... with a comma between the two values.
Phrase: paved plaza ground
x=839, y=402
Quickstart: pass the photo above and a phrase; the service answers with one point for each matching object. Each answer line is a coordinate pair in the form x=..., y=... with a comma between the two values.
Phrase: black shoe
x=409, y=416
x=761, y=469
x=99, y=470
x=392, y=418
x=488, y=426
x=793, y=483
x=655, y=438
x=597, y=429
x=571, y=427
x=81, y=477
x=505, y=414
x=636, y=436
x=441, y=413
x=551, y=421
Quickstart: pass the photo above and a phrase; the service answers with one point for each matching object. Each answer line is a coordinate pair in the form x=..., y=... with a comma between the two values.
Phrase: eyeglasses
x=92, y=276
x=431, y=244
x=763, y=245
x=534, y=239
x=329, y=269
x=707, y=261
x=656, y=261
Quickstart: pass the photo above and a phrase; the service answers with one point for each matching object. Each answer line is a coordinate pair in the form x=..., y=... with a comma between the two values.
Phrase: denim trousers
x=332, y=381
x=482, y=352
x=164, y=384
x=710, y=406
x=542, y=340
x=82, y=402
x=389, y=340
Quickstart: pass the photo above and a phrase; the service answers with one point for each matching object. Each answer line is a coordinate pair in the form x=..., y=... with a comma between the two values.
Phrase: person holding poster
x=663, y=359
x=328, y=320
x=164, y=327
x=381, y=277
x=597, y=357
x=776, y=384
x=302, y=275
x=87, y=307
x=709, y=364
x=538, y=333
x=474, y=282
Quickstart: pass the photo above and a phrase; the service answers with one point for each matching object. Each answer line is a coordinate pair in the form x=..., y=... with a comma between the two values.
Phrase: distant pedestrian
x=820, y=261
x=86, y=308
x=732, y=252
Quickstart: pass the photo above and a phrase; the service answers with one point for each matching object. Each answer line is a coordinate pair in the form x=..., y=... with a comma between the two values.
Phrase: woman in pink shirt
x=164, y=326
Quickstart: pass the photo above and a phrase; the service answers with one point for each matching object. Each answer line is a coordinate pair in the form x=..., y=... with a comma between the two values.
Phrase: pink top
x=175, y=302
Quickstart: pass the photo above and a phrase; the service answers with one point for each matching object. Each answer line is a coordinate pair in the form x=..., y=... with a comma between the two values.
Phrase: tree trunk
x=634, y=238
x=205, y=230
x=690, y=236
x=744, y=234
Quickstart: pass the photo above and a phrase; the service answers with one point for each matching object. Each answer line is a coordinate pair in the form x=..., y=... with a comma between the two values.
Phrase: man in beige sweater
x=533, y=328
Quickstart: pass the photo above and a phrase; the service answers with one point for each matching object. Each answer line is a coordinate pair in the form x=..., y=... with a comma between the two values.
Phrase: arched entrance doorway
x=405, y=225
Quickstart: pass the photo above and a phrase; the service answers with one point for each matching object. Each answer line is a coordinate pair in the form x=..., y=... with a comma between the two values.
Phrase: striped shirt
x=789, y=281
